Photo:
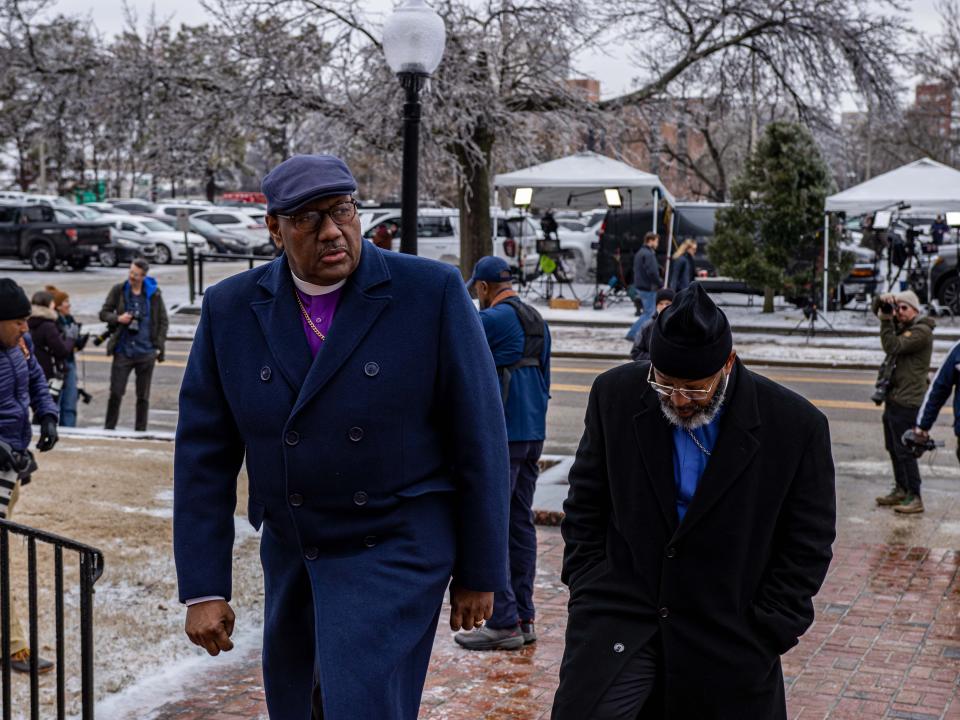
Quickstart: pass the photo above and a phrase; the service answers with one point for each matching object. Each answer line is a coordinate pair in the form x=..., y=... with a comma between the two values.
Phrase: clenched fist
x=210, y=625
x=469, y=608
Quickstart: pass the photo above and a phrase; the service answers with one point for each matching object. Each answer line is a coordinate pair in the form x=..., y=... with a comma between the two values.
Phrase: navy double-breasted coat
x=378, y=470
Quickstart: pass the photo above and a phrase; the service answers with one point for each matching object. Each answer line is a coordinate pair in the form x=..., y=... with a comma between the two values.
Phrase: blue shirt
x=689, y=461
x=526, y=409
x=136, y=344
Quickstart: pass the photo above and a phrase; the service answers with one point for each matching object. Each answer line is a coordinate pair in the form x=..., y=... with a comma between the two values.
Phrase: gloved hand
x=81, y=342
x=7, y=462
x=48, y=433
x=160, y=356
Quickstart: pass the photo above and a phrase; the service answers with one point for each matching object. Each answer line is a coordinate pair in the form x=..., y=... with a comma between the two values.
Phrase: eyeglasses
x=904, y=307
x=689, y=394
x=312, y=220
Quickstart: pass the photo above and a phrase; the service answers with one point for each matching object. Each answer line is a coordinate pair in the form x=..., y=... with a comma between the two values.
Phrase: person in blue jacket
x=519, y=340
x=356, y=387
x=23, y=390
x=947, y=380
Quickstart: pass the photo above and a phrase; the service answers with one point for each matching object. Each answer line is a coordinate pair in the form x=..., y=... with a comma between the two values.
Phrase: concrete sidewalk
x=884, y=645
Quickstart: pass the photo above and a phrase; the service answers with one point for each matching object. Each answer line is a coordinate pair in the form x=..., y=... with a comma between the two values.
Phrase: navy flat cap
x=302, y=178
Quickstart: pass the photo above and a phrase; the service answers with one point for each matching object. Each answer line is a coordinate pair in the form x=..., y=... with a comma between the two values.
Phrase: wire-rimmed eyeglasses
x=688, y=393
x=312, y=220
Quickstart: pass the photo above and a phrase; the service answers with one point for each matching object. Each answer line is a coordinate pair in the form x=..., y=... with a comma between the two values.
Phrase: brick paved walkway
x=886, y=644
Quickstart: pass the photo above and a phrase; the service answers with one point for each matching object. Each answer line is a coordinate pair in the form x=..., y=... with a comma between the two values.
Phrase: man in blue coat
x=356, y=386
x=946, y=381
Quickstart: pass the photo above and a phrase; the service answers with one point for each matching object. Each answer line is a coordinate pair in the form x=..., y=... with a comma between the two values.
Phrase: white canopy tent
x=925, y=185
x=578, y=181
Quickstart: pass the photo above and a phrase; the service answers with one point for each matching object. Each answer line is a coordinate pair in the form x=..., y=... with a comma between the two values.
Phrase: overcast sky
x=612, y=70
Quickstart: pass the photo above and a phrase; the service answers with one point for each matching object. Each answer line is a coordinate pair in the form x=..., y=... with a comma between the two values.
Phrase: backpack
x=534, y=334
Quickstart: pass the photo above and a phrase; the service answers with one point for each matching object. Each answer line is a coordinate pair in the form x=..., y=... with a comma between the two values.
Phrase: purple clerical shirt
x=321, y=309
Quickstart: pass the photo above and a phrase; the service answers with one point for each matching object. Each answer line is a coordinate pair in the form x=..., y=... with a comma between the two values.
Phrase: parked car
x=516, y=241
x=169, y=242
x=220, y=241
x=437, y=233
x=133, y=205
x=32, y=233
x=53, y=201
x=106, y=208
x=247, y=225
x=165, y=210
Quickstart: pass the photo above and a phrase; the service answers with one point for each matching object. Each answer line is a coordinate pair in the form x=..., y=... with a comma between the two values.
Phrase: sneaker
x=528, y=631
x=487, y=638
x=911, y=504
x=896, y=496
x=20, y=662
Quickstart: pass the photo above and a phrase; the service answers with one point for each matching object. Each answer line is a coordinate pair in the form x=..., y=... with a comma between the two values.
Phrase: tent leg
x=826, y=259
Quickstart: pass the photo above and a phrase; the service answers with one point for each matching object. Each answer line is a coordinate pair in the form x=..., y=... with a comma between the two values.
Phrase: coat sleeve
x=40, y=400
x=652, y=270
x=55, y=343
x=919, y=338
x=587, y=507
x=163, y=325
x=939, y=391
x=207, y=458
x=109, y=311
x=476, y=434
x=806, y=528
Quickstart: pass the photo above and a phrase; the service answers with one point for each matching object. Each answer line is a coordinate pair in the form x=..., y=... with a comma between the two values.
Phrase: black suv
x=32, y=233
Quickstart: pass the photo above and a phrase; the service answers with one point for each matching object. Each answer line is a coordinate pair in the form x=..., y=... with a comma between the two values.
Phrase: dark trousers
x=632, y=688
x=142, y=366
x=896, y=420
x=516, y=602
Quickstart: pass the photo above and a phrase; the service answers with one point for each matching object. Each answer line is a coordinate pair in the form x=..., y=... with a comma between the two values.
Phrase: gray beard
x=704, y=416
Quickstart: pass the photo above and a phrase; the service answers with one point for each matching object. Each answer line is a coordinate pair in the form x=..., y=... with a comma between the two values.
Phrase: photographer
x=946, y=379
x=135, y=313
x=907, y=340
x=71, y=330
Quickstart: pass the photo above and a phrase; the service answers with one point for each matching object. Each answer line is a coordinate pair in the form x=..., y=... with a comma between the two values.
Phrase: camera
x=886, y=308
x=134, y=326
x=880, y=391
x=916, y=446
x=102, y=337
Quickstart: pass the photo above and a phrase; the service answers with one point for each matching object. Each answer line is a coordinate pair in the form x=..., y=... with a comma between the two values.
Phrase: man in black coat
x=698, y=528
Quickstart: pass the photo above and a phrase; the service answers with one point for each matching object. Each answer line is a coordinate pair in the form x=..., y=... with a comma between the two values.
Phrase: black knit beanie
x=691, y=339
x=13, y=301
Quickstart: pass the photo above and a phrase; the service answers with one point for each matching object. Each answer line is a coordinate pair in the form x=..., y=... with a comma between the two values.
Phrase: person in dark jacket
x=939, y=229
x=52, y=348
x=683, y=272
x=946, y=381
x=72, y=331
x=356, y=388
x=640, y=352
x=135, y=313
x=907, y=339
x=646, y=280
x=23, y=388
x=698, y=528
x=519, y=341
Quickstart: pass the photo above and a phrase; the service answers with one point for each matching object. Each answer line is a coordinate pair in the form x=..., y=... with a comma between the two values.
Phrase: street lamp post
x=413, y=40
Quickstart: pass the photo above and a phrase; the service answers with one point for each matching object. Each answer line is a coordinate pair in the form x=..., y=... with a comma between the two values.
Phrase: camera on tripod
x=918, y=446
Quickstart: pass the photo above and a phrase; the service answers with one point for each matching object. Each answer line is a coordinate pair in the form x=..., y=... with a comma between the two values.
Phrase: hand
x=210, y=625
x=160, y=356
x=125, y=318
x=48, y=433
x=469, y=608
x=921, y=434
x=6, y=457
x=81, y=342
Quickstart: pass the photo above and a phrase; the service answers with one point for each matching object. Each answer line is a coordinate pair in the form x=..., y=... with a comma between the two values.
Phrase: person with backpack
x=519, y=340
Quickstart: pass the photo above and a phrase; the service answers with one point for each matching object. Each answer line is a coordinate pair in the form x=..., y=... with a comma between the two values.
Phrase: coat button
x=291, y=438
x=356, y=434
x=265, y=373
x=296, y=499
x=671, y=552
x=360, y=498
x=618, y=647
x=371, y=369
x=664, y=612
x=311, y=553
x=370, y=541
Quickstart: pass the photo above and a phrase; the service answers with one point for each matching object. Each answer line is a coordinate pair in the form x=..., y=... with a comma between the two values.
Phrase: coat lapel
x=655, y=439
x=736, y=445
x=356, y=313
x=279, y=319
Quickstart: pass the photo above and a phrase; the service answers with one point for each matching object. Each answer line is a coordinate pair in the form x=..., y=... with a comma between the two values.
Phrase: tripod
x=811, y=313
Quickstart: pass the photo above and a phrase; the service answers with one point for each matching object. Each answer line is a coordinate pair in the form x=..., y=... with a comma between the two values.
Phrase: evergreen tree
x=771, y=236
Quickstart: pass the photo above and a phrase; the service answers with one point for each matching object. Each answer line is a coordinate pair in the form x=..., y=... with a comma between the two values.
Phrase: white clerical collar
x=311, y=289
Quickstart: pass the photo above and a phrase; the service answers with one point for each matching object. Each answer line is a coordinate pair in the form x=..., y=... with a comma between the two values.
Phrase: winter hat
x=59, y=296
x=908, y=297
x=665, y=294
x=302, y=178
x=14, y=304
x=691, y=339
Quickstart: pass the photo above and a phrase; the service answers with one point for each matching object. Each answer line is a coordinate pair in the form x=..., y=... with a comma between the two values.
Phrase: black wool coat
x=724, y=593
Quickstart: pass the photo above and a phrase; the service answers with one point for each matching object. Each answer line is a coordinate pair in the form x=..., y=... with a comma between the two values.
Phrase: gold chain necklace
x=307, y=316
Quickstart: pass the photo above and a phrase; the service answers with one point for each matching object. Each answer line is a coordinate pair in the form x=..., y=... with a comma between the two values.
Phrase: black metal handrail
x=197, y=260
x=91, y=568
